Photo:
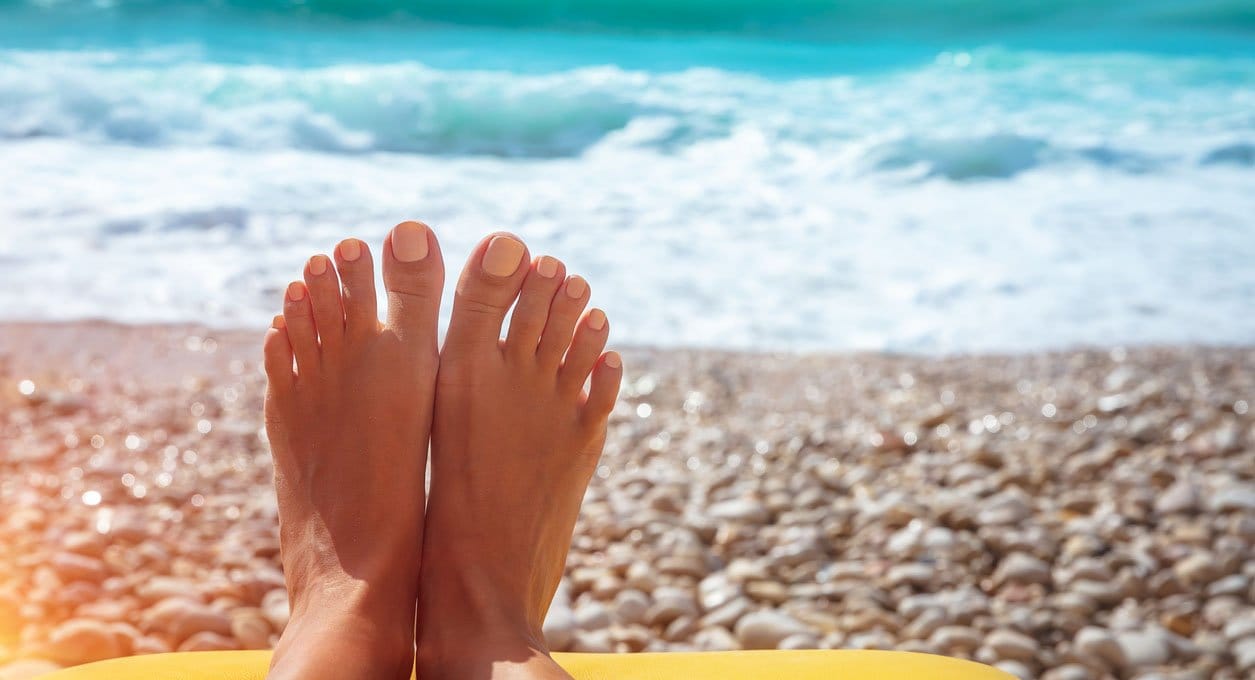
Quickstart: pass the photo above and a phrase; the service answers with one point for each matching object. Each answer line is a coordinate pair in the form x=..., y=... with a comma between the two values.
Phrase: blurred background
x=940, y=312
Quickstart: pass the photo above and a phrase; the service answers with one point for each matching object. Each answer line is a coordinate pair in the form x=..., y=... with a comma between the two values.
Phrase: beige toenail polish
x=318, y=265
x=575, y=287
x=613, y=360
x=547, y=267
x=296, y=292
x=350, y=250
x=503, y=256
x=409, y=241
x=596, y=319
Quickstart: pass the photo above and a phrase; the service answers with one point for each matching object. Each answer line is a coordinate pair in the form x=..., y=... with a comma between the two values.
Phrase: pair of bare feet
x=374, y=570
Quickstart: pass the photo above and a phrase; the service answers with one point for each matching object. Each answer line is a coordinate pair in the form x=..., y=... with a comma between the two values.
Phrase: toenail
x=575, y=287
x=596, y=319
x=547, y=267
x=318, y=265
x=350, y=250
x=279, y=322
x=503, y=256
x=409, y=241
x=296, y=291
x=613, y=360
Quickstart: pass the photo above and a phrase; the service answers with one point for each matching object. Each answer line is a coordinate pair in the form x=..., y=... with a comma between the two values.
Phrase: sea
x=920, y=176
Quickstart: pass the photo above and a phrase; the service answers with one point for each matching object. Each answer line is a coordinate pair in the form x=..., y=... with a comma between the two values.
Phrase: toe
x=357, y=279
x=324, y=298
x=413, y=275
x=603, y=389
x=298, y=316
x=590, y=339
x=563, y=313
x=529, y=316
x=489, y=283
x=277, y=357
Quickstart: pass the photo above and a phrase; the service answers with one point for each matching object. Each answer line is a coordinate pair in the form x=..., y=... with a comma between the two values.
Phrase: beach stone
x=592, y=615
x=716, y=639
x=631, y=606
x=727, y=614
x=593, y=642
x=1198, y=569
x=274, y=606
x=1070, y=671
x=1240, y=627
x=1019, y=567
x=1009, y=644
x=250, y=628
x=955, y=639
x=740, y=510
x=1181, y=497
x=559, y=627
x=180, y=618
x=766, y=629
x=80, y=641
x=1099, y=647
x=799, y=641
x=72, y=566
x=1015, y=668
x=25, y=669
x=1144, y=648
x=1003, y=509
x=910, y=574
x=151, y=644
x=669, y=605
x=1235, y=497
x=207, y=641
x=1244, y=654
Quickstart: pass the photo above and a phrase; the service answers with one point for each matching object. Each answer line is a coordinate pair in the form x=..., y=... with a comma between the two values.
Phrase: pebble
x=928, y=504
x=1009, y=644
x=766, y=629
x=79, y=641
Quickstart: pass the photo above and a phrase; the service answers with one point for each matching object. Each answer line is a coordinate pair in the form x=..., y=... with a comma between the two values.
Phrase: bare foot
x=514, y=442
x=348, y=431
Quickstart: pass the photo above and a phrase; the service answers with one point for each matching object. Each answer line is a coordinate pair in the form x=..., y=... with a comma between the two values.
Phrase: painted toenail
x=596, y=319
x=503, y=256
x=279, y=322
x=575, y=287
x=547, y=267
x=350, y=250
x=409, y=241
x=296, y=291
x=613, y=360
x=318, y=265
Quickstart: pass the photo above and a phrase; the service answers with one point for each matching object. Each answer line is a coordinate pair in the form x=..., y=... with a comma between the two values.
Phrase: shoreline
x=1063, y=514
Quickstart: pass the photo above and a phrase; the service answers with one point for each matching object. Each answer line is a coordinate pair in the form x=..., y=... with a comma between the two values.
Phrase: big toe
x=413, y=276
x=489, y=284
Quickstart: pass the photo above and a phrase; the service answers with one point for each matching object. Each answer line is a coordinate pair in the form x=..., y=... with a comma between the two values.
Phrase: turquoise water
x=924, y=176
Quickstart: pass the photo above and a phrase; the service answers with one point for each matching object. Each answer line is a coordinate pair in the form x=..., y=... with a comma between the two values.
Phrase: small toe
x=413, y=276
x=357, y=282
x=298, y=316
x=488, y=286
x=563, y=313
x=603, y=389
x=277, y=356
x=324, y=297
x=586, y=346
x=527, y=321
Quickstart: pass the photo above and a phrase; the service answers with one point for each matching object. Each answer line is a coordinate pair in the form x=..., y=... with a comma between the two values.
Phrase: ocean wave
x=397, y=108
x=996, y=117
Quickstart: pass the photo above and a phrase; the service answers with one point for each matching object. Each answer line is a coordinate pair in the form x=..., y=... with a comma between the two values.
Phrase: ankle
x=346, y=633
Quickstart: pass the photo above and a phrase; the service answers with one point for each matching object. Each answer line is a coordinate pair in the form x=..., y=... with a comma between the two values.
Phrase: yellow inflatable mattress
x=756, y=665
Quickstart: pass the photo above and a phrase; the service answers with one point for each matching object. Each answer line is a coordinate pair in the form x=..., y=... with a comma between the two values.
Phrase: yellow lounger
x=762, y=665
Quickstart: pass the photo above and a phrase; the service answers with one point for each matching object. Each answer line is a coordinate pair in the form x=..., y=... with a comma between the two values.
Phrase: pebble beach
x=1071, y=515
